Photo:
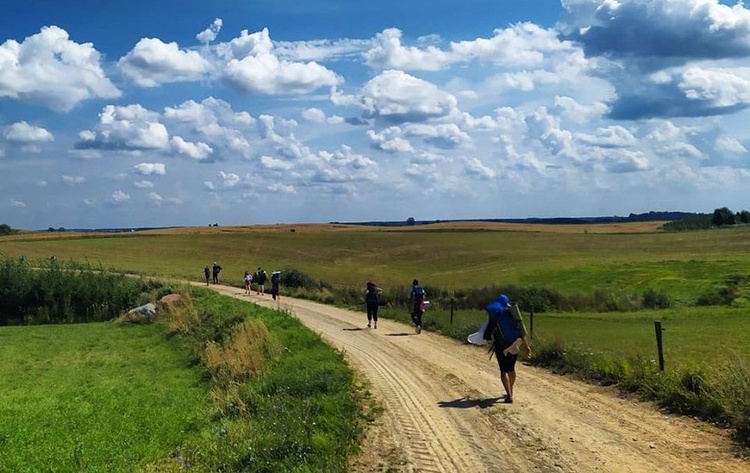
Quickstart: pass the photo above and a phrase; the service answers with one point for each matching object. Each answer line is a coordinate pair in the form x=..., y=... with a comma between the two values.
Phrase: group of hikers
x=259, y=277
x=504, y=328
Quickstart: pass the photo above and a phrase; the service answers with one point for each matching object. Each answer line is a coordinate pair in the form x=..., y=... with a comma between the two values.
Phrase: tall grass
x=66, y=292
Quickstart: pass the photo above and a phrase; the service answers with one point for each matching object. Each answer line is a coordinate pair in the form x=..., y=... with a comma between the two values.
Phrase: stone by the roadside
x=146, y=310
x=168, y=302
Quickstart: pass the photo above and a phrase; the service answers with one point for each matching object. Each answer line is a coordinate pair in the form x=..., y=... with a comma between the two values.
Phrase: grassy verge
x=282, y=400
x=93, y=397
x=220, y=385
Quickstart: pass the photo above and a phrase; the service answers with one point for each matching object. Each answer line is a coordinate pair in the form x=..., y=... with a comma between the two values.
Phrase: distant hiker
x=260, y=280
x=248, y=279
x=372, y=302
x=416, y=304
x=275, y=283
x=507, y=331
x=207, y=273
x=216, y=271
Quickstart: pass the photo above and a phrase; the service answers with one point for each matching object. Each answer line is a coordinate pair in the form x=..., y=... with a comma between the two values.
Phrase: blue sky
x=187, y=112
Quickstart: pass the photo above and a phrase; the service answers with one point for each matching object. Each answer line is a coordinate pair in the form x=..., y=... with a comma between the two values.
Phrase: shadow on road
x=354, y=329
x=465, y=402
x=398, y=334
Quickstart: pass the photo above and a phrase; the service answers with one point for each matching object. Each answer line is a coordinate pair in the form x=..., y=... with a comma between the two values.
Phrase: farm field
x=622, y=259
x=94, y=397
x=628, y=335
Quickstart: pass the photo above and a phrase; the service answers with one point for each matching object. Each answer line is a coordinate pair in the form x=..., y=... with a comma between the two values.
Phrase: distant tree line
x=6, y=230
x=719, y=218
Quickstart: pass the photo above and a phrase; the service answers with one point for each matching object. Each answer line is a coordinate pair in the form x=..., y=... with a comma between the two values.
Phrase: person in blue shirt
x=508, y=333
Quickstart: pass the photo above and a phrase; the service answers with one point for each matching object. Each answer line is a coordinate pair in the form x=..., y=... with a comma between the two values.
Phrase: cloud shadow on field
x=465, y=402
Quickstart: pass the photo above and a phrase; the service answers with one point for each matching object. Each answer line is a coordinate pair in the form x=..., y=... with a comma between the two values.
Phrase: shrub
x=294, y=278
x=653, y=299
x=57, y=292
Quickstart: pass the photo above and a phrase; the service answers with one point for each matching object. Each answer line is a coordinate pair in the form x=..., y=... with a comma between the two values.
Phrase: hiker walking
x=372, y=302
x=247, y=279
x=207, y=273
x=506, y=329
x=260, y=279
x=275, y=283
x=216, y=271
x=416, y=304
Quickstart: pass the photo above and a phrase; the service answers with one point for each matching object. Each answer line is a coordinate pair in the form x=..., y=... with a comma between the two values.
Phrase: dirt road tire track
x=443, y=410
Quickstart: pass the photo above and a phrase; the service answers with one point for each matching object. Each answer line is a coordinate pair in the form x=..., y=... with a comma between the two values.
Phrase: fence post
x=451, y=311
x=531, y=323
x=659, y=330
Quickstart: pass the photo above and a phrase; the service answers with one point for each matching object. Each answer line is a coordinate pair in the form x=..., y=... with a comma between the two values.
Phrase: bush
x=653, y=299
x=296, y=279
x=56, y=292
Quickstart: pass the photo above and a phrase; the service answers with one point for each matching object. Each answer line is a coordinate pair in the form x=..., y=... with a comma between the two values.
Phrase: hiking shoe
x=419, y=329
x=508, y=399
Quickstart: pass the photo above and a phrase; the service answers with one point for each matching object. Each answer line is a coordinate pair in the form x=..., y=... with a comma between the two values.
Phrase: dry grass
x=182, y=317
x=244, y=355
x=629, y=227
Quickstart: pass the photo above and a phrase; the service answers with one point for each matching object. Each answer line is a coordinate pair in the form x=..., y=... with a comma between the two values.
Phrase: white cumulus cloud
x=27, y=137
x=120, y=197
x=254, y=68
x=125, y=128
x=210, y=33
x=50, y=69
x=197, y=151
x=153, y=62
x=151, y=169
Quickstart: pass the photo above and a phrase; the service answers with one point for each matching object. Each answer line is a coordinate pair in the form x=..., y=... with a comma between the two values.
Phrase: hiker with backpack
x=260, y=280
x=416, y=304
x=508, y=333
x=215, y=271
x=275, y=283
x=373, y=300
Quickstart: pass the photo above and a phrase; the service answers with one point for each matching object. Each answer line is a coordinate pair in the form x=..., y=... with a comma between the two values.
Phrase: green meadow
x=94, y=397
x=682, y=263
x=219, y=385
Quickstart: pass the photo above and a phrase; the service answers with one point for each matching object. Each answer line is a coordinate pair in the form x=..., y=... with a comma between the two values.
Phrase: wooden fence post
x=659, y=330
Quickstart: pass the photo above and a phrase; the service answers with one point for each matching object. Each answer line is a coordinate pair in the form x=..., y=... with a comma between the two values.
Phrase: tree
x=410, y=221
x=5, y=229
x=722, y=216
x=744, y=216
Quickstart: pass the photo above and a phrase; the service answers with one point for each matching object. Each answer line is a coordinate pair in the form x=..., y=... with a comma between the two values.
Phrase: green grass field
x=94, y=397
x=710, y=337
x=682, y=264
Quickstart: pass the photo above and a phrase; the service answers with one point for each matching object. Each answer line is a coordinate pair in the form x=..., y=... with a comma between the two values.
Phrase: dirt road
x=444, y=411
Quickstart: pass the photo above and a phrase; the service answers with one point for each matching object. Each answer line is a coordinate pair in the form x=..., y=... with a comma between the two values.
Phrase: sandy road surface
x=444, y=411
